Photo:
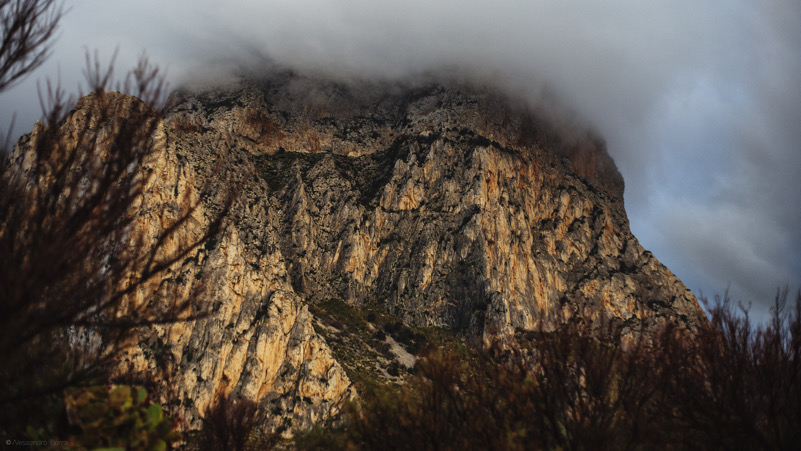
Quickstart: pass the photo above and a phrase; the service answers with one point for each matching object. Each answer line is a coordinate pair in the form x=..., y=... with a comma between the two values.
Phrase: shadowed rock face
x=443, y=204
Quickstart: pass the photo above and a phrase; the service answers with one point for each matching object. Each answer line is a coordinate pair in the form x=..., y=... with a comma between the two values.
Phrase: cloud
x=698, y=101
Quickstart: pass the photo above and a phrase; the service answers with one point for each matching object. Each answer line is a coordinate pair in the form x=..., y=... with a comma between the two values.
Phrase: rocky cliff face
x=441, y=204
x=447, y=205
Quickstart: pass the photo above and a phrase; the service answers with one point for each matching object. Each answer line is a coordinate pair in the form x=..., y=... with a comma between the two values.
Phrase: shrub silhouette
x=27, y=28
x=229, y=424
x=581, y=392
x=737, y=385
x=71, y=254
x=730, y=385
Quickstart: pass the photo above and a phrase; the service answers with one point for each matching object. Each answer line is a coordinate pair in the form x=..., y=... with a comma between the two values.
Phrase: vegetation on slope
x=732, y=386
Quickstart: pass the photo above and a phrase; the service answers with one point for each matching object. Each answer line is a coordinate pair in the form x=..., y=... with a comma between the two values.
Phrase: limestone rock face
x=256, y=339
x=442, y=204
x=446, y=204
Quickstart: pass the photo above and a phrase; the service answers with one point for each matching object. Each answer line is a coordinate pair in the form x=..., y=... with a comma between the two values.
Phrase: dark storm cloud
x=698, y=101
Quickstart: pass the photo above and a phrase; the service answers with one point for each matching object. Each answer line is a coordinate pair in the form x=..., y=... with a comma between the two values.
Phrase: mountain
x=428, y=208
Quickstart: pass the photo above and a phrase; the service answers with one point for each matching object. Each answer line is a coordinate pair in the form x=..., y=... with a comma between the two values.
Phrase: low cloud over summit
x=699, y=102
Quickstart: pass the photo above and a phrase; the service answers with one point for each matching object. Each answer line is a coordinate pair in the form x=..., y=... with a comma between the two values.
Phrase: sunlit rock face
x=449, y=205
x=443, y=204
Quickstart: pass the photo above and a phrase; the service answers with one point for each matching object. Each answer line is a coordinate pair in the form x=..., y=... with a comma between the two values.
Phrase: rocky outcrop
x=441, y=204
x=255, y=337
x=448, y=205
x=258, y=340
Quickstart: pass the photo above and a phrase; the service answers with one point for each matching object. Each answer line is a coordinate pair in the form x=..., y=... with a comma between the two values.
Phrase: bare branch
x=27, y=28
x=74, y=255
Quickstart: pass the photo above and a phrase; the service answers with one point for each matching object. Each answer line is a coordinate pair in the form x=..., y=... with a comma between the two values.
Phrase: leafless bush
x=594, y=393
x=77, y=275
x=731, y=386
x=581, y=393
x=27, y=28
x=229, y=423
x=737, y=385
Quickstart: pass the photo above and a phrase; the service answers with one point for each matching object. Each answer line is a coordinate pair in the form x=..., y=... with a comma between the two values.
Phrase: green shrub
x=118, y=417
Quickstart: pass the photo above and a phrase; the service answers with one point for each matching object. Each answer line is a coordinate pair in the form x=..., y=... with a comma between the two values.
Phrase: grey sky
x=700, y=102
